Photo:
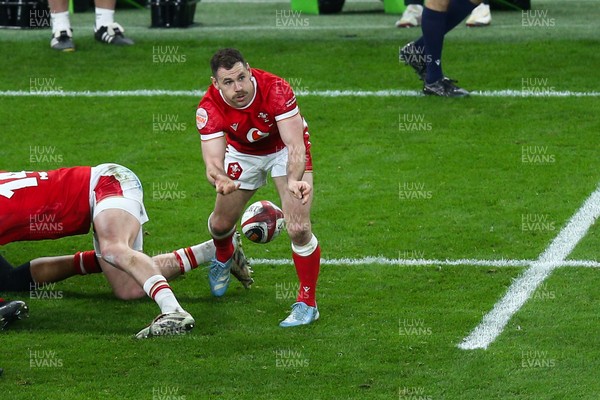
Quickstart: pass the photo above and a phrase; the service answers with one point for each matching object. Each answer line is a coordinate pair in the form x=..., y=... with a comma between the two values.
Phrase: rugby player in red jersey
x=251, y=126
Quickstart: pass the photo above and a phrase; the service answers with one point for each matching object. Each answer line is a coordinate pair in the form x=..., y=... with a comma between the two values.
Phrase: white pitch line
x=347, y=1
x=522, y=288
x=409, y=262
x=279, y=1
x=299, y=93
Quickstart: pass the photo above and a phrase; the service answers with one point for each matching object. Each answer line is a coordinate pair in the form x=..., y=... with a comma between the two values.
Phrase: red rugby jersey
x=252, y=129
x=44, y=205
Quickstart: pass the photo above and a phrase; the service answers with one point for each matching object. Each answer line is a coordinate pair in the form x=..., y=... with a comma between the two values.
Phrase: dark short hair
x=225, y=58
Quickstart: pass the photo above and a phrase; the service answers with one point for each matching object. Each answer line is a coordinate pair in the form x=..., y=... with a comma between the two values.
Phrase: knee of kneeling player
x=131, y=292
x=114, y=254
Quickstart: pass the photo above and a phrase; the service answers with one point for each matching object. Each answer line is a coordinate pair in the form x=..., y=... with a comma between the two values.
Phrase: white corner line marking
x=493, y=323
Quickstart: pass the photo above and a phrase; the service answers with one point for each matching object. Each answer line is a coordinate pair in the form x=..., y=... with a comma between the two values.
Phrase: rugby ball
x=262, y=221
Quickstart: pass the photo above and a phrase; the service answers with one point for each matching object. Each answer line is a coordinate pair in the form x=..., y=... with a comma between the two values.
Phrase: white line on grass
x=300, y=93
x=393, y=261
x=347, y=1
x=522, y=288
x=409, y=262
x=286, y=2
x=272, y=27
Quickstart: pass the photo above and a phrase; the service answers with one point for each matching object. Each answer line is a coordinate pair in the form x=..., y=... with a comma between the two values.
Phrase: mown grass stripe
x=300, y=93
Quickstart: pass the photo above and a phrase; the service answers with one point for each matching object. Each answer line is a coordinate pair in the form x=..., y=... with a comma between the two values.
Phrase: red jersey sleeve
x=209, y=120
x=282, y=99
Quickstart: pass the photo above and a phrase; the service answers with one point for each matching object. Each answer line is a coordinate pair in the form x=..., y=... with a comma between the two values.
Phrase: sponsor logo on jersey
x=255, y=135
x=234, y=126
x=201, y=118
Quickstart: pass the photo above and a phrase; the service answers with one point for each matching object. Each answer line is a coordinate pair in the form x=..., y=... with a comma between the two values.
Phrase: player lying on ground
x=46, y=270
x=108, y=197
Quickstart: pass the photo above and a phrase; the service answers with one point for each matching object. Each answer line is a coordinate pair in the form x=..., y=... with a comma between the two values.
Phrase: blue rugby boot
x=302, y=314
x=219, y=276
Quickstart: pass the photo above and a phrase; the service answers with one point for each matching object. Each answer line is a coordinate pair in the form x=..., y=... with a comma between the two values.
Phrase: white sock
x=60, y=21
x=157, y=288
x=104, y=17
x=190, y=257
x=307, y=249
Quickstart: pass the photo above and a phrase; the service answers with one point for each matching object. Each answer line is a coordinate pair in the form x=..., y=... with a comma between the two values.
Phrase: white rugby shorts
x=113, y=186
x=251, y=171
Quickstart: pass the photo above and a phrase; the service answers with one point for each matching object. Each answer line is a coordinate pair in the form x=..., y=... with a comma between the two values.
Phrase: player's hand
x=300, y=190
x=224, y=185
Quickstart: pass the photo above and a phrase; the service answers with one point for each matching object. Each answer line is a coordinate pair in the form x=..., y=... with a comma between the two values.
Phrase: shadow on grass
x=76, y=312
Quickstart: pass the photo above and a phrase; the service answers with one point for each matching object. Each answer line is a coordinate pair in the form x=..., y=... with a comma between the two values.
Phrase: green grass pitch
x=397, y=176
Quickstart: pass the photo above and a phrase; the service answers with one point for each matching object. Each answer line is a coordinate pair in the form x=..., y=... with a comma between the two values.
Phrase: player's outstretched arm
x=292, y=133
x=213, y=153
